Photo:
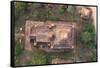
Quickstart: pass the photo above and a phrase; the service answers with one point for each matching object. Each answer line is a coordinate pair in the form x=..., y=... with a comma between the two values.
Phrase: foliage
x=18, y=49
x=19, y=9
x=41, y=12
x=88, y=35
x=18, y=52
x=39, y=58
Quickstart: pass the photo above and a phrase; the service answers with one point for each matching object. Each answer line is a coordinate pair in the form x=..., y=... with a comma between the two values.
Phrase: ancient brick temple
x=50, y=36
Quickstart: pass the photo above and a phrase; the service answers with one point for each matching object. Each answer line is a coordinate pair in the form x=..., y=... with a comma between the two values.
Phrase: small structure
x=50, y=36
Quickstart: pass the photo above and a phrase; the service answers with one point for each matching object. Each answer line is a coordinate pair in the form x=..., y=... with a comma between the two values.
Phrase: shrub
x=18, y=49
x=88, y=35
x=39, y=57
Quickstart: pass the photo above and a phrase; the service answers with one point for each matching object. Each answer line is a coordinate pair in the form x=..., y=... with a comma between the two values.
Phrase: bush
x=39, y=57
x=18, y=52
x=18, y=49
x=88, y=36
x=19, y=9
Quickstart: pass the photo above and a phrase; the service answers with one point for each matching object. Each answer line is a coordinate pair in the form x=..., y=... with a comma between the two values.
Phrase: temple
x=50, y=36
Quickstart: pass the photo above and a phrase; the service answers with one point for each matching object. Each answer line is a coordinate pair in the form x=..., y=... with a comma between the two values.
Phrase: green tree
x=88, y=35
x=19, y=9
